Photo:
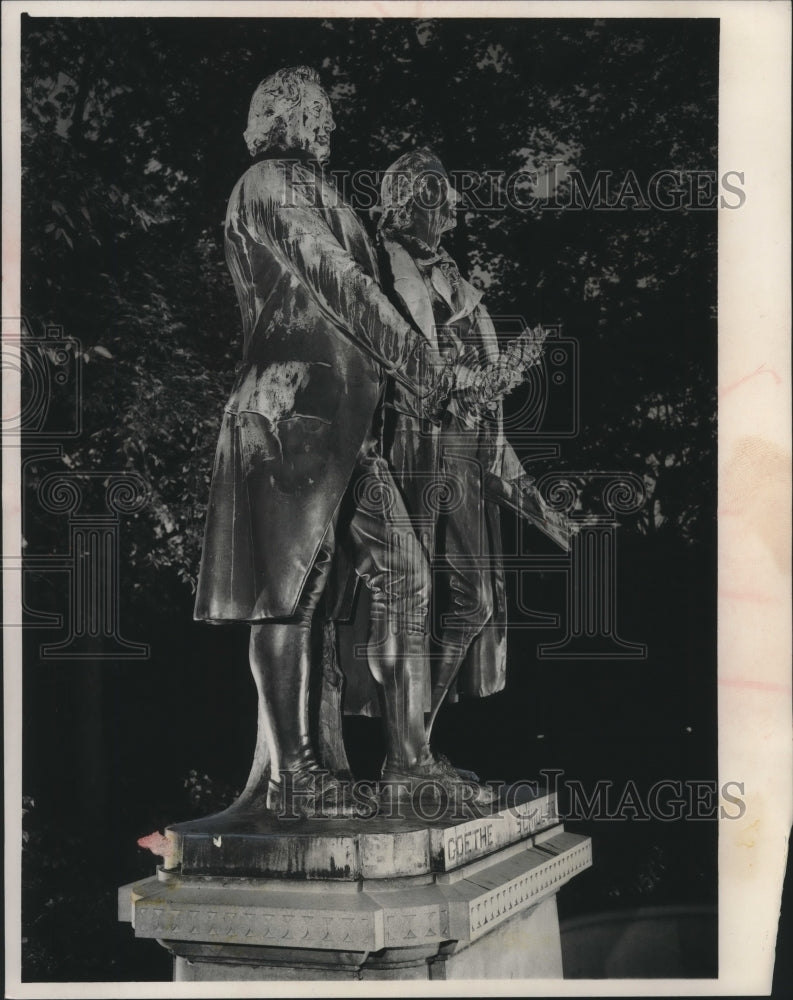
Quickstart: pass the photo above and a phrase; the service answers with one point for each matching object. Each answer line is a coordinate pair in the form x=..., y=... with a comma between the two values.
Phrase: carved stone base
x=257, y=844
x=494, y=917
x=525, y=947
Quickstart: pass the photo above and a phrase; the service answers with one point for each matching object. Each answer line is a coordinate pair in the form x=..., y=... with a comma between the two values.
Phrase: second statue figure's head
x=418, y=198
x=290, y=112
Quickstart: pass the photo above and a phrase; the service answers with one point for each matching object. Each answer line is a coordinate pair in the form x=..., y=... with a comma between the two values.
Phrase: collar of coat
x=292, y=153
x=331, y=203
x=411, y=260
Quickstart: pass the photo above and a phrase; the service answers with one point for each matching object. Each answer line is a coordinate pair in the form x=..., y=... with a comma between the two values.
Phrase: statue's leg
x=255, y=791
x=446, y=665
x=391, y=562
x=284, y=760
x=463, y=540
x=470, y=607
x=398, y=663
x=281, y=665
x=279, y=660
x=330, y=739
x=266, y=659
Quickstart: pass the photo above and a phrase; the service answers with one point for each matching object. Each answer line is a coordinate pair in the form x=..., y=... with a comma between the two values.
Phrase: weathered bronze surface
x=362, y=443
x=455, y=474
x=298, y=470
x=356, y=443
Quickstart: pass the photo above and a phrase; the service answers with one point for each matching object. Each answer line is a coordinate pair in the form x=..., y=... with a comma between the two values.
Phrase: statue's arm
x=296, y=232
x=514, y=488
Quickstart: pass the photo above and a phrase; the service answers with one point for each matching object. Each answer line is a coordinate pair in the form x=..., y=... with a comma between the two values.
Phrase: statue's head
x=418, y=198
x=290, y=111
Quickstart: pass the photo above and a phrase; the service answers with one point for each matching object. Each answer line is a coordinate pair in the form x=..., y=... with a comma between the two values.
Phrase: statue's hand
x=467, y=380
x=479, y=387
x=442, y=381
x=524, y=350
x=467, y=377
x=484, y=385
x=500, y=378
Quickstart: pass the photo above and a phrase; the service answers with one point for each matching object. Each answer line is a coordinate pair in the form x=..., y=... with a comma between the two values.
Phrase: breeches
x=462, y=574
x=443, y=488
x=375, y=528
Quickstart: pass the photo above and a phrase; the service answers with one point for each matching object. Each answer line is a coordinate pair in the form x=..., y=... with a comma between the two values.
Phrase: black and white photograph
x=396, y=539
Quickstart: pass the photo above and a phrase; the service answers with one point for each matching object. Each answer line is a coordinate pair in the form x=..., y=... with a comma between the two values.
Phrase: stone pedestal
x=255, y=898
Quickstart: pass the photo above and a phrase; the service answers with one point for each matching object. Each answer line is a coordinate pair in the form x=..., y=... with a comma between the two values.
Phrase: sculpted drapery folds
x=299, y=475
x=467, y=455
x=462, y=533
x=318, y=337
x=301, y=487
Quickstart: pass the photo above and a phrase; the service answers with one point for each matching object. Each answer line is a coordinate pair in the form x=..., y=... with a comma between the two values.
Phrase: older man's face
x=435, y=205
x=448, y=209
x=314, y=122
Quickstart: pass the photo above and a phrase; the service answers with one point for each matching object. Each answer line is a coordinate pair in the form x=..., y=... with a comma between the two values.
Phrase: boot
x=298, y=786
x=253, y=797
x=444, y=671
x=443, y=674
x=410, y=773
x=398, y=663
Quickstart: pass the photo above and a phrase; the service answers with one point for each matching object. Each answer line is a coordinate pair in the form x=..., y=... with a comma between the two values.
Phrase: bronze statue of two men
x=365, y=386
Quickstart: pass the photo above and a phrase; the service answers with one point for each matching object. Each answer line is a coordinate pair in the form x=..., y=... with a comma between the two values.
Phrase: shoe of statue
x=483, y=796
x=427, y=783
x=311, y=793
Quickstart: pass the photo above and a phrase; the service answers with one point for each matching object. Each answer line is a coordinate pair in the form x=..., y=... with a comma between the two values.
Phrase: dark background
x=131, y=145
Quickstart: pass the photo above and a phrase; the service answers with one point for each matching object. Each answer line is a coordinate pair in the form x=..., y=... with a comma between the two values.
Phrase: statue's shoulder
x=398, y=261
x=275, y=178
x=265, y=172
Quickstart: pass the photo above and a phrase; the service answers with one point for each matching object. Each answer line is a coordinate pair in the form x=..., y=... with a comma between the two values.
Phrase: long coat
x=318, y=336
x=447, y=300
x=415, y=450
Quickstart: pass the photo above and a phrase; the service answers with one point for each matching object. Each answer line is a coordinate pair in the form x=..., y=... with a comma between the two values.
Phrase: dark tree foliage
x=131, y=143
